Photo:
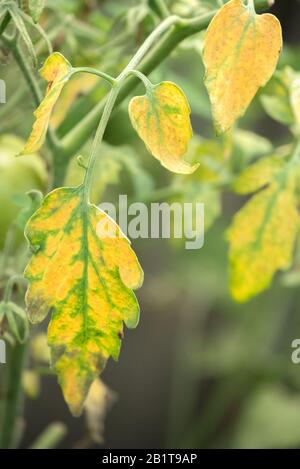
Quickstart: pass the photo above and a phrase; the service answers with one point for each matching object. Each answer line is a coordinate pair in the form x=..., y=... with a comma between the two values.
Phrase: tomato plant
x=63, y=266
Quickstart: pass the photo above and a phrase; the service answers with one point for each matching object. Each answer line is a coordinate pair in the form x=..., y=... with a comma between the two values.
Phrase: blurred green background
x=200, y=371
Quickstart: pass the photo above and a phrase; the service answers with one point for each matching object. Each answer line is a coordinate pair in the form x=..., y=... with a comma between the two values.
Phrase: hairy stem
x=98, y=138
x=5, y=23
x=159, y=7
x=96, y=72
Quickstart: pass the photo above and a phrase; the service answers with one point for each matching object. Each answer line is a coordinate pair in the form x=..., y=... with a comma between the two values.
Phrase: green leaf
x=29, y=202
x=83, y=270
x=19, y=23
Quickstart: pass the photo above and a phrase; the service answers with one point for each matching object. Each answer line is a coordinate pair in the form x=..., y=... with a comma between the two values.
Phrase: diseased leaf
x=56, y=71
x=262, y=237
x=85, y=276
x=257, y=175
x=162, y=119
x=240, y=55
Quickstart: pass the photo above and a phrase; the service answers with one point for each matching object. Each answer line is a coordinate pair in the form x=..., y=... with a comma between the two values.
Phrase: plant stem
x=5, y=23
x=94, y=71
x=251, y=6
x=11, y=405
x=173, y=33
x=159, y=7
x=50, y=437
x=99, y=136
x=147, y=83
x=112, y=97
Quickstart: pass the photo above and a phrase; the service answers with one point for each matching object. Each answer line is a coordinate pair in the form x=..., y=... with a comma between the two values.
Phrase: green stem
x=112, y=97
x=147, y=83
x=159, y=7
x=94, y=71
x=174, y=33
x=11, y=405
x=99, y=136
x=5, y=23
x=51, y=437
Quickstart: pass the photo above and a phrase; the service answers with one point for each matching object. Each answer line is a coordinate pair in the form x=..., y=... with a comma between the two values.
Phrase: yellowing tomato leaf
x=240, y=54
x=257, y=175
x=56, y=71
x=162, y=119
x=262, y=237
x=83, y=270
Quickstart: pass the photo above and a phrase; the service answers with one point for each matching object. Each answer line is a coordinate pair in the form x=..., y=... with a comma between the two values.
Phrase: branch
x=5, y=22
x=75, y=139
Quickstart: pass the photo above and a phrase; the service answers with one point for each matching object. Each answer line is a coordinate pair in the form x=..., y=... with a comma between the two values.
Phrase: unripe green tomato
x=17, y=176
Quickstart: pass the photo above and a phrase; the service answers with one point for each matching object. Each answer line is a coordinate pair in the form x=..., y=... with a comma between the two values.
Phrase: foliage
x=83, y=269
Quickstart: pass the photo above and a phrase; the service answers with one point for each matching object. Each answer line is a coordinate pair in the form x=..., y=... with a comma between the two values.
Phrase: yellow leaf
x=99, y=400
x=85, y=276
x=240, y=54
x=31, y=384
x=262, y=237
x=257, y=175
x=162, y=119
x=56, y=71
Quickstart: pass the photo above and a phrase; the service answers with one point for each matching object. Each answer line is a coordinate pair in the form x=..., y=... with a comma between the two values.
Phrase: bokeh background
x=200, y=371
